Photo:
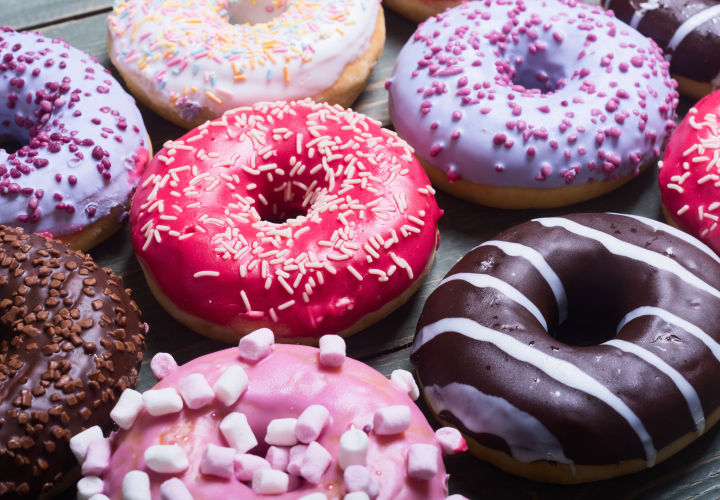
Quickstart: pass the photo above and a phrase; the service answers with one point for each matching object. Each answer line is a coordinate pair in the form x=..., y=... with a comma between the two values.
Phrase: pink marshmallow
x=311, y=423
x=296, y=457
x=404, y=381
x=315, y=462
x=195, y=391
x=270, y=482
x=422, y=461
x=246, y=465
x=358, y=478
x=174, y=489
x=391, y=420
x=256, y=345
x=162, y=364
x=278, y=457
x=217, y=461
x=97, y=459
x=450, y=440
x=332, y=351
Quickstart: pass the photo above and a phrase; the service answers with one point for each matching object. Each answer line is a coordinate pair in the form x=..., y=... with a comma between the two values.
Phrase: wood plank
x=32, y=14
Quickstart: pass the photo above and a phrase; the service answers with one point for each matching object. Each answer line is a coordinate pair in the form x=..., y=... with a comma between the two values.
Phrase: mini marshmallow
x=422, y=461
x=79, y=442
x=99, y=496
x=174, y=489
x=136, y=486
x=270, y=482
x=353, y=448
x=278, y=457
x=237, y=432
x=281, y=432
x=231, y=384
x=358, y=478
x=457, y=496
x=246, y=465
x=314, y=496
x=403, y=380
x=450, y=440
x=217, y=461
x=162, y=401
x=332, y=351
x=127, y=408
x=391, y=420
x=195, y=391
x=162, y=364
x=97, y=458
x=296, y=458
x=89, y=486
x=256, y=345
x=315, y=462
x=356, y=495
x=166, y=458
x=311, y=423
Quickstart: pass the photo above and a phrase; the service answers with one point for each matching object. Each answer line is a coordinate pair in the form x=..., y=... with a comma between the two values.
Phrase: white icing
x=636, y=18
x=528, y=439
x=687, y=390
x=487, y=281
x=558, y=369
x=691, y=24
x=538, y=261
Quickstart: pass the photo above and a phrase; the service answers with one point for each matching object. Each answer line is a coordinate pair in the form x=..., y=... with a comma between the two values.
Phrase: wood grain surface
x=691, y=474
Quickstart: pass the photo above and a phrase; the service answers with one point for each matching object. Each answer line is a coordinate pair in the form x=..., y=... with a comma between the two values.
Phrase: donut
x=531, y=104
x=265, y=419
x=302, y=217
x=72, y=341
x=419, y=10
x=191, y=61
x=563, y=347
x=687, y=31
x=83, y=142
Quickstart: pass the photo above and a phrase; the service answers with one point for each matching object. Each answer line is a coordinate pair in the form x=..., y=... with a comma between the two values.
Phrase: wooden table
x=386, y=345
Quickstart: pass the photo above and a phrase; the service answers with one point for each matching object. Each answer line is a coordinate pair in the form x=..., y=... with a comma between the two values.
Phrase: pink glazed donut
x=302, y=217
x=531, y=104
x=266, y=419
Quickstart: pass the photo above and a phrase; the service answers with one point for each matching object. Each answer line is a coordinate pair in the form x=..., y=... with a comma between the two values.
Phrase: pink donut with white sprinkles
x=305, y=218
x=531, y=103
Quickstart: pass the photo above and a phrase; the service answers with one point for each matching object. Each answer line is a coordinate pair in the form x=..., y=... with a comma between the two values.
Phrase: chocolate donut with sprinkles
x=531, y=103
x=189, y=61
x=563, y=347
x=83, y=142
x=302, y=217
x=72, y=341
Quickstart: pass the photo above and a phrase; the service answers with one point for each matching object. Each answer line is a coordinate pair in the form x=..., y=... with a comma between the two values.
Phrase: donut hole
x=260, y=11
x=9, y=144
x=532, y=72
x=274, y=208
x=586, y=328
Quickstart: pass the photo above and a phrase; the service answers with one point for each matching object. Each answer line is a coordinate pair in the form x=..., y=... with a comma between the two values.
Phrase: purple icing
x=537, y=93
x=83, y=139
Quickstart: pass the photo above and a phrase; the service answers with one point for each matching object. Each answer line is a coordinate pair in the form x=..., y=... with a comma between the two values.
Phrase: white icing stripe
x=691, y=24
x=538, y=261
x=687, y=390
x=636, y=18
x=625, y=249
x=561, y=370
x=672, y=319
x=485, y=281
x=528, y=439
x=659, y=226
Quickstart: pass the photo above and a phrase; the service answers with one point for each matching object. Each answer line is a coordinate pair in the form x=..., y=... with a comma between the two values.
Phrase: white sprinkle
x=200, y=274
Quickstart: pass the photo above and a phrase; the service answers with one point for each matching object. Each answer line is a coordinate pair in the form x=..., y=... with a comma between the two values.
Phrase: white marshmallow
x=166, y=458
x=256, y=345
x=314, y=496
x=457, y=496
x=422, y=461
x=195, y=391
x=403, y=380
x=358, y=478
x=99, y=496
x=270, y=482
x=315, y=462
x=356, y=495
x=174, y=489
x=237, y=432
x=450, y=440
x=97, y=458
x=231, y=384
x=127, y=408
x=162, y=364
x=296, y=458
x=89, y=486
x=79, y=442
x=391, y=420
x=353, y=448
x=162, y=401
x=278, y=457
x=281, y=432
x=217, y=461
x=311, y=423
x=246, y=465
x=332, y=351
x=136, y=486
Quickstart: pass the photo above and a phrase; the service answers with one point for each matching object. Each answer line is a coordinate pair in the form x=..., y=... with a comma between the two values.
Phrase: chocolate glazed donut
x=498, y=346
x=687, y=32
x=70, y=341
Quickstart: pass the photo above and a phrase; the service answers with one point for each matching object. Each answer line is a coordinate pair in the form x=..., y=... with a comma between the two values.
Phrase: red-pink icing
x=281, y=385
x=690, y=172
x=197, y=218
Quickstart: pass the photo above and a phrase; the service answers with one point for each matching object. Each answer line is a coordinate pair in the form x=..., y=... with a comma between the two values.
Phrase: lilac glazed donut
x=531, y=104
x=83, y=141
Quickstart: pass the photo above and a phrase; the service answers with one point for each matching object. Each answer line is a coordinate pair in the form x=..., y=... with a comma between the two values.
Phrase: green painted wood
x=26, y=14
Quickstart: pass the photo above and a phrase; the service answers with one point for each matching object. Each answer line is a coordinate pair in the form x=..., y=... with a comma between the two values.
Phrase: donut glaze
x=72, y=341
x=83, y=140
x=490, y=364
x=281, y=385
x=301, y=217
x=542, y=95
x=689, y=172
